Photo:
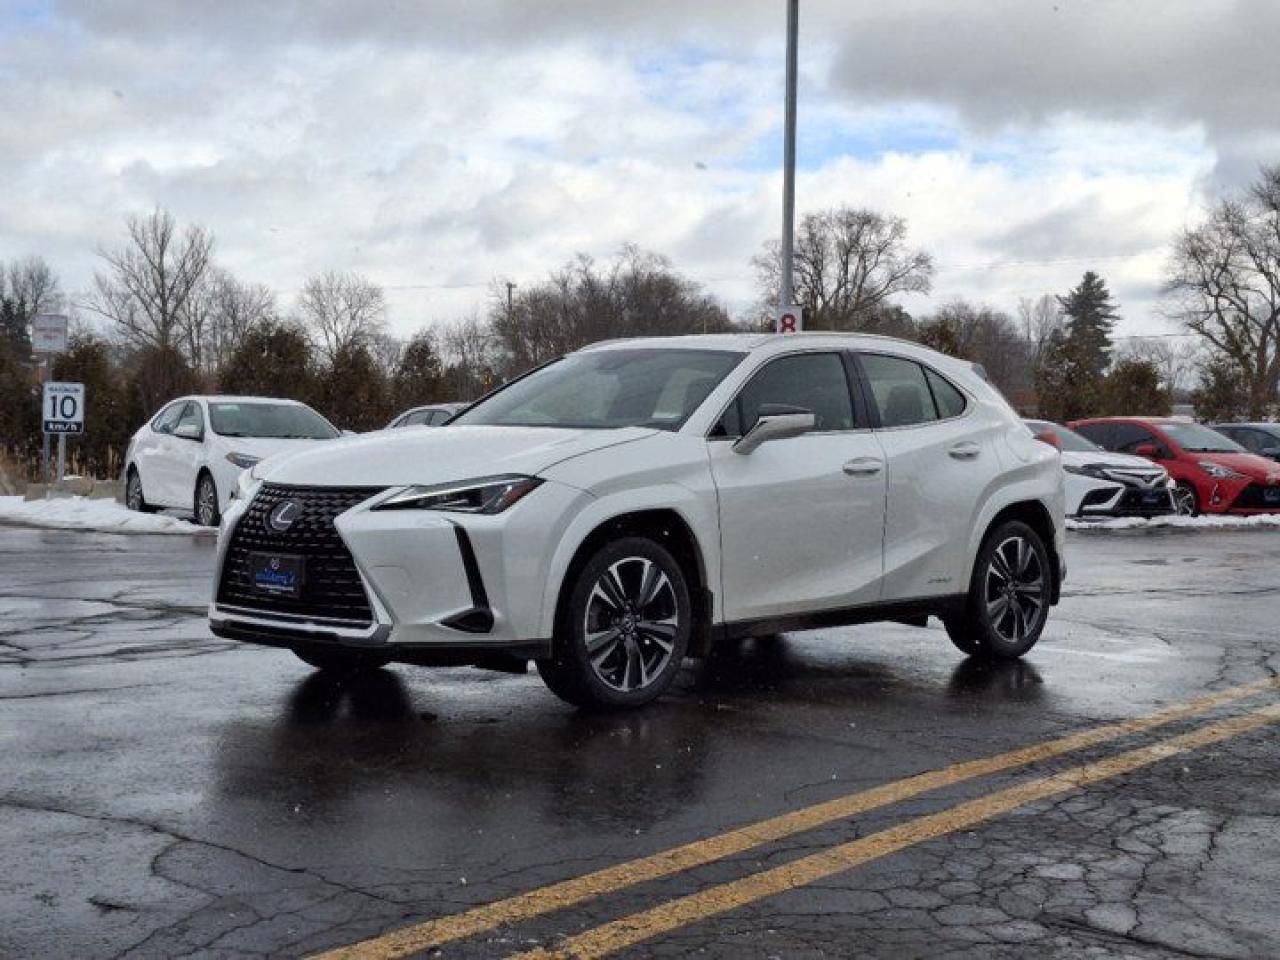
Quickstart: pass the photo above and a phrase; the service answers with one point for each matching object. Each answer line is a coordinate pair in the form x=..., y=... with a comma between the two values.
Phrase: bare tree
x=150, y=279
x=218, y=315
x=27, y=287
x=1224, y=284
x=1177, y=361
x=1040, y=320
x=848, y=263
x=342, y=311
x=985, y=335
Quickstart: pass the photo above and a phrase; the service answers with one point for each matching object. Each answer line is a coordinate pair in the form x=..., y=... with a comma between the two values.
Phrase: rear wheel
x=1008, y=601
x=133, y=498
x=1185, y=500
x=624, y=629
x=339, y=660
x=206, y=502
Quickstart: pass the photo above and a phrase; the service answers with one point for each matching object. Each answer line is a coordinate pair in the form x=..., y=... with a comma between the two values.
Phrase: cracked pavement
x=170, y=794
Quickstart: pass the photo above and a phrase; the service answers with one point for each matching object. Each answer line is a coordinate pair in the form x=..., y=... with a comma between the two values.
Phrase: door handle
x=863, y=467
x=964, y=450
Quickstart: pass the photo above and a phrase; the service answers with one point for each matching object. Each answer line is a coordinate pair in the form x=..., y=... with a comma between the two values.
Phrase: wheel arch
x=671, y=530
x=1037, y=516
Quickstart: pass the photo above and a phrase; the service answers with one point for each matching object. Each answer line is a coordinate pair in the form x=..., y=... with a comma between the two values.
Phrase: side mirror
x=776, y=421
x=1049, y=437
x=188, y=431
x=1148, y=450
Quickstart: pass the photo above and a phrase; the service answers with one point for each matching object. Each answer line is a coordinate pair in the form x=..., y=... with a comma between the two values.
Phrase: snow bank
x=1205, y=522
x=102, y=516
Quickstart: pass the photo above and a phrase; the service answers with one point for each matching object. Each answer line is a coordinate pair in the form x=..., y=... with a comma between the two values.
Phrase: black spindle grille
x=331, y=588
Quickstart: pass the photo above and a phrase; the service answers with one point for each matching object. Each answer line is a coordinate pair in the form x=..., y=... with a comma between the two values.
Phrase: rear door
x=801, y=519
x=153, y=453
x=941, y=456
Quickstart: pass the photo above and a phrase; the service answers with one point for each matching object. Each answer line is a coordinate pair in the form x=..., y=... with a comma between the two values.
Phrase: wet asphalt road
x=165, y=793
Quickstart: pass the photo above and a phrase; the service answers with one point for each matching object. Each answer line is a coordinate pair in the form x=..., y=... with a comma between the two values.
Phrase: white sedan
x=1103, y=484
x=190, y=455
x=636, y=502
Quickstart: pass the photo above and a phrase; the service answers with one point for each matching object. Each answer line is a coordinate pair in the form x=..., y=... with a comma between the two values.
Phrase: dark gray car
x=1260, y=438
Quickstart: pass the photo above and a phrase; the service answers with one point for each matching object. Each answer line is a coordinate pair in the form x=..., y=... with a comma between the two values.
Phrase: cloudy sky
x=434, y=146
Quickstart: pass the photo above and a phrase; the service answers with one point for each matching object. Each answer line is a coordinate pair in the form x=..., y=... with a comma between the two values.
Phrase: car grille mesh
x=331, y=588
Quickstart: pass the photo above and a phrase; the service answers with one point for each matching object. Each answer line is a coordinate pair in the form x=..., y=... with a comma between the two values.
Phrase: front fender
x=697, y=511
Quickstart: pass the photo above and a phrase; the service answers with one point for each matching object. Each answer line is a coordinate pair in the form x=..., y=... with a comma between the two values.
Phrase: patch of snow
x=1203, y=522
x=101, y=516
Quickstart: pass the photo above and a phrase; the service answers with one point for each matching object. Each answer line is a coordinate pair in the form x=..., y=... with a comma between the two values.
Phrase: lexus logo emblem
x=283, y=515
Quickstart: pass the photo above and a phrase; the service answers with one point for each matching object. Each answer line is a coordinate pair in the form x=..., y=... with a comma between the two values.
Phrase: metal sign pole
x=789, y=160
x=62, y=456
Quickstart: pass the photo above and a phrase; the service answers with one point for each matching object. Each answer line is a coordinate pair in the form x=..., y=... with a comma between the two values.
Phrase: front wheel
x=207, y=512
x=1185, y=500
x=624, y=629
x=1008, y=600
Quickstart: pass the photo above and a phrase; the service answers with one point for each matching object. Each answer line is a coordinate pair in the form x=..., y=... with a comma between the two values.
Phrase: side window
x=949, y=401
x=417, y=418
x=1253, y=440
x=437, y=417
x=900, y=389
x=191, y=416
x=167, y=418
x=1099, y=433
x=1127, y=437
x=813, y=381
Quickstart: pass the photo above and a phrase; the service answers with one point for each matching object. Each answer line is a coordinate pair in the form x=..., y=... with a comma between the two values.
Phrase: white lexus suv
x=634, y=503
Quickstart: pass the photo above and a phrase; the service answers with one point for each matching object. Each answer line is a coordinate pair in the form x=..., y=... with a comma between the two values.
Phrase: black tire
x=338, y=660
x=1186, y=502
x=133, y=498
x=635, y=596
x=1008, y=600
x=206, y=501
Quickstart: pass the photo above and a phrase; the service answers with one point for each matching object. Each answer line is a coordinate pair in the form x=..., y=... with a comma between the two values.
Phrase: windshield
x=1197, y=439
x=1067, y=439
x=276, y=421
x=605, y=389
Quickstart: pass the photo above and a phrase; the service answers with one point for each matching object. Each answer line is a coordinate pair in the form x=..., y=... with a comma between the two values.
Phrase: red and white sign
x=48, y=333
x=790, y=320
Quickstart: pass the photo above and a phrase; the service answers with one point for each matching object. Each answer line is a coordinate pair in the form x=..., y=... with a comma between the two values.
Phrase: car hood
x=441, y=455
x=1250, y=464
x=1121, y=461
x=263, y=447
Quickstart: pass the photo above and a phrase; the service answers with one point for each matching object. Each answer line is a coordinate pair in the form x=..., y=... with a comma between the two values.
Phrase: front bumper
x=1089, y=497
x=440, y=588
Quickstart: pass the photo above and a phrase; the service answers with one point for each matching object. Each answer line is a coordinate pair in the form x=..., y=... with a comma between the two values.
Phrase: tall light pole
x=788, y=320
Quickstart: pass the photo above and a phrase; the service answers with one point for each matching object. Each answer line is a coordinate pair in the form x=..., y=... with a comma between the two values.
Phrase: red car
x=1214, y=474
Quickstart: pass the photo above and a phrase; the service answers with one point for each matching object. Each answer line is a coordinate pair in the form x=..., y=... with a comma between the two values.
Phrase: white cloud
x=434, y=147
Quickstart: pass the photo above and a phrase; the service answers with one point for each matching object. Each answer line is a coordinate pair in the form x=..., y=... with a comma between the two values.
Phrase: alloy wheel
x=631, y=624
x=1015, y=589
x=1184, y=500
x=206, y=503
x=133, y=492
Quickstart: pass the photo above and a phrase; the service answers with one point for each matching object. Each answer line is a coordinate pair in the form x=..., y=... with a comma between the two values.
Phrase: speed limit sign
x=63, y=410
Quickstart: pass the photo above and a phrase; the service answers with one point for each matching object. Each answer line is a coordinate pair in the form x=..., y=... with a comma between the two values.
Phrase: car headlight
x=1219, y=472
x=1087, y=470
x=485, y=495
x=245, y=483
x=242, y=460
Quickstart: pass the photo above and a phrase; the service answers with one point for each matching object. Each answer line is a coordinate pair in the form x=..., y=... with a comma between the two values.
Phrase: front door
x=801, y=519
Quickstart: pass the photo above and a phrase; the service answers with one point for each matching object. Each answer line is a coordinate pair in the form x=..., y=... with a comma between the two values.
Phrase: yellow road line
x=627, y=931
x=557, y=896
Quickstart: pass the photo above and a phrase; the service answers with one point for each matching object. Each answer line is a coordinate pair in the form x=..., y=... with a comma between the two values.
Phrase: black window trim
x=862, y=414
x=865, y=383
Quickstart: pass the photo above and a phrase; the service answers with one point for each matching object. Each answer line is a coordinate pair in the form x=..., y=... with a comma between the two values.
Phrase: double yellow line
x=636, y=928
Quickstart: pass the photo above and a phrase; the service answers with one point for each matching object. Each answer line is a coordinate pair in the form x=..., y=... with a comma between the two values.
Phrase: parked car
x=190, y=454
x=1213, y=473
x=1260, y=438
x=1104, y=484
x=432, y=415
x=633, y=503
